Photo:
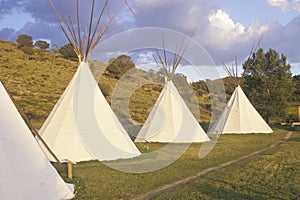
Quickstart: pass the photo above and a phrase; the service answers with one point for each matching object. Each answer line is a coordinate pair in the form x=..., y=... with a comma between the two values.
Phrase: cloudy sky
x=225, y=28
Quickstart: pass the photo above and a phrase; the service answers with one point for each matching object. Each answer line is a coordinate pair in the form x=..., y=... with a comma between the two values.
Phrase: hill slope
x=37, y=83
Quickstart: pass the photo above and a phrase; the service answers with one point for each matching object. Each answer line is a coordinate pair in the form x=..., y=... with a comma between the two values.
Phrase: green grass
x=272, y=175
x=94, y=180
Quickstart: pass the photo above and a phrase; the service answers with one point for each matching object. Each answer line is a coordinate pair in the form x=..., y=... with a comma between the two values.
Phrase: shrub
x=113, y=68
x=105, y=88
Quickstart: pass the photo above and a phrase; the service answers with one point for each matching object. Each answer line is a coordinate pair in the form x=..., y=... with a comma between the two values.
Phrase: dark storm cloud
x=42, y=11
x=180, y=15
x=289, y=41
x=40, y=30
x=46, y=22
x=6, y=33
x=6, y=6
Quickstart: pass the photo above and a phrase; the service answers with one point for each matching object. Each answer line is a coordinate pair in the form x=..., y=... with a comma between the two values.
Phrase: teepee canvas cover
x=25, y=171
x=170, y=120
x=82, y=125
x=239, y=116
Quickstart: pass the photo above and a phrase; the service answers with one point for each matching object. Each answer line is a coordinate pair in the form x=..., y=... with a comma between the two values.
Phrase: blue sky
x=225, y=28
x=249, y=11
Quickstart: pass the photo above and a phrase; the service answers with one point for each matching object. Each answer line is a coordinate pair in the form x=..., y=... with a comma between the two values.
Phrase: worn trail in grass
x=209, y=170
x=273, y=174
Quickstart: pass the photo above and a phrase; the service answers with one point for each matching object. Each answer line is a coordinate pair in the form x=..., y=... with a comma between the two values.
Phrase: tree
x=296, y=95
x=24, y=40
x=119, y=66
x=42, y=44
x=68, y=52
x=24, y=43
x=269, y=83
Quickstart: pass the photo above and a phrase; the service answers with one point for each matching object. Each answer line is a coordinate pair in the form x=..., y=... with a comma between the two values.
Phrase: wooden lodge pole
x=70, y=169
x=299, y=113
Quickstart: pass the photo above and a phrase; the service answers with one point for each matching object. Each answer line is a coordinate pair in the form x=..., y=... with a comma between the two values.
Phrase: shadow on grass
x=295, y=139
x=212, y=189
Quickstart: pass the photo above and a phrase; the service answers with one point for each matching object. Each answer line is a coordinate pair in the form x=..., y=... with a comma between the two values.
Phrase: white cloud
x=223, y=34
x=284, y=5
x=223, y=22
x=296, y=5
x=144, y=58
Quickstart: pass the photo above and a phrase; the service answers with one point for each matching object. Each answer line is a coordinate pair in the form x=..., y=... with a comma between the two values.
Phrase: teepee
x=239, y=115
x=82, y=126
x=170, y=120
x=25, y=171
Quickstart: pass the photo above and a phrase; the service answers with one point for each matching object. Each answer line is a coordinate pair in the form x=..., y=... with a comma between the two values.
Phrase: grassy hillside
x=37, y=83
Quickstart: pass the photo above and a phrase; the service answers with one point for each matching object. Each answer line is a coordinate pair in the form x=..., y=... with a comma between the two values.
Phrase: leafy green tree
x=296, y=80
x=42, y=44
x=24, y=43
x=68, y=52
x=113, y=68
x=269, y=83
x=119, y=66
x=24, y=40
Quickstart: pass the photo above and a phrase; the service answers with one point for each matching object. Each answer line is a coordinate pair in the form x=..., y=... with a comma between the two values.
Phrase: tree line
x=25, y=44
x=269, y=84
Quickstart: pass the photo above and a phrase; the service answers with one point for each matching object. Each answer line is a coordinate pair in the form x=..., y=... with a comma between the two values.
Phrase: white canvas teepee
x=82, y=125
x=240, y=117
x=170, y=120
x=25, y=171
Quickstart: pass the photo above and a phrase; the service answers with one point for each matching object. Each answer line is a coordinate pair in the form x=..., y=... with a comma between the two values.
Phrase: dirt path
x=209, y=170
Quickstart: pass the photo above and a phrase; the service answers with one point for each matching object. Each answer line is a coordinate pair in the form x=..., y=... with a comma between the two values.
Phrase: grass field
x=273, y=174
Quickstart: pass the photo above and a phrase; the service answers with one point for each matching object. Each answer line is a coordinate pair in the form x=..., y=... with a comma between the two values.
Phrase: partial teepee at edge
x=170, y=120
x=240, y=117
x=82, y=125
x=25, y=171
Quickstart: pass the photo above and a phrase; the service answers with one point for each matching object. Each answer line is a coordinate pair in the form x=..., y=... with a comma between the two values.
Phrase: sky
x=225, y=28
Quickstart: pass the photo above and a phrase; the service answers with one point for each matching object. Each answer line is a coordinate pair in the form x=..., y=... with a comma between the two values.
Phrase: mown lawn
x=272, y=175
x=255, y=178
